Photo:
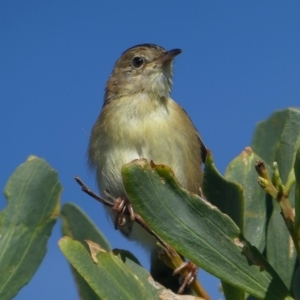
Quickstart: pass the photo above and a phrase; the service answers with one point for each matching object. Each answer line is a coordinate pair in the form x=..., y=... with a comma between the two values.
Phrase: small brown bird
x=140, y=120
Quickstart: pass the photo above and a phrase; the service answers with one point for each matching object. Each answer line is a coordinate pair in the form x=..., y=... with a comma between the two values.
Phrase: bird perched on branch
x=140, y=120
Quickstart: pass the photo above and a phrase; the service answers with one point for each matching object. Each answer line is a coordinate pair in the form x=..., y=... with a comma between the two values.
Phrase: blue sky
x=240, y=63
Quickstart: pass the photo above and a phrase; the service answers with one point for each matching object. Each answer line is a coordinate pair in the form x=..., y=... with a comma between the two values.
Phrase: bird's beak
x=169, y=55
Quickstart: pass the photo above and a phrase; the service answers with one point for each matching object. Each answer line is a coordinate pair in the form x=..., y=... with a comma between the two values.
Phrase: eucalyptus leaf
x=231, y=203
x=76, y=224
x=107, y=274
x=33, y=193
x=242, y=170
x=199, y=231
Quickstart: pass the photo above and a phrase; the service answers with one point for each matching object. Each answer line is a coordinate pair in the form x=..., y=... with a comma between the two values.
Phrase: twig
x=137, y=217
x=264, y=179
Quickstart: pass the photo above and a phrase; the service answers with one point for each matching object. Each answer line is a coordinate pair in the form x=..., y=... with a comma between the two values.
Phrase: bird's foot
x=122, y=207
x=191, y=271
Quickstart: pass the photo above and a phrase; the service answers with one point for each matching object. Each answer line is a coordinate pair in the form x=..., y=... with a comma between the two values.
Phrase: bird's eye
x=137, y=62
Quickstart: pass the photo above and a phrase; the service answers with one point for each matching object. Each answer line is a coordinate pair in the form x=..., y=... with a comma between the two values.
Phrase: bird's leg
x=122, y=207
x=187, y=270
x=191, y=271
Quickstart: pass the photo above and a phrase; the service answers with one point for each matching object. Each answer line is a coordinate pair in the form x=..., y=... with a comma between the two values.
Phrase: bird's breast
x=157, y=131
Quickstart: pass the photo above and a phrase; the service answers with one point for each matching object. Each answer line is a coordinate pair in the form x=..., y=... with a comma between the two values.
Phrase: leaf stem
x=280, y=193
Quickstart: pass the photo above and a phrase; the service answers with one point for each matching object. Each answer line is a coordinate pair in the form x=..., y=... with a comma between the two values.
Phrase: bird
x=138, y=120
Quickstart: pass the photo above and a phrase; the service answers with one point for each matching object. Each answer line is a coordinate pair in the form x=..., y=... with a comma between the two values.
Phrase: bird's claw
x=122, y=205
x=191, y=271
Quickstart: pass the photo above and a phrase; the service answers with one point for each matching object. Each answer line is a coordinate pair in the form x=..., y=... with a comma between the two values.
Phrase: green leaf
x=267, y=135
x=199, y=231
x=109, y=277
x=277, y=139
x=76, y=224
x=224, y=194
x=32, y=193
x=229, y=198
x=242, y=170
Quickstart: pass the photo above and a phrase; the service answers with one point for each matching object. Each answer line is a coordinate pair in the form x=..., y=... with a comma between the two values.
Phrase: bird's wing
x=202, y=145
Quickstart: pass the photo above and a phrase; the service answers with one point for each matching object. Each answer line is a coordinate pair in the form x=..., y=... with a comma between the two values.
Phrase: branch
x=105, y=202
